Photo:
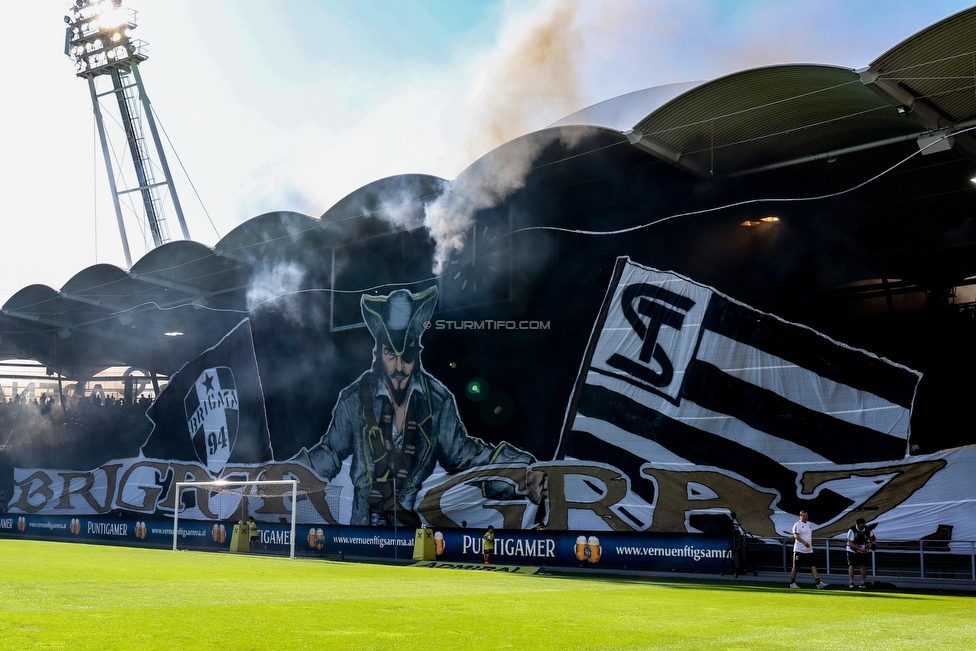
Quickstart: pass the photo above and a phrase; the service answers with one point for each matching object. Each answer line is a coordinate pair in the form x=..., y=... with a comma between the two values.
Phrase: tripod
x=735, y=554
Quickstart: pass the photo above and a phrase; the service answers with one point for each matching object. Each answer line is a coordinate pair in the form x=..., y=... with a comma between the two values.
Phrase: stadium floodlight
x=98, y=41
x=238, y=499
x=97, y=37
x=934, y=142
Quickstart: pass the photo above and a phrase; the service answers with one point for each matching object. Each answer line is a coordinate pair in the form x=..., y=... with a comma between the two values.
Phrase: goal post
x=239, y=500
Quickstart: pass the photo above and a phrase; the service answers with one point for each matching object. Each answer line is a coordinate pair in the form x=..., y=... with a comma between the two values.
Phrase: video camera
x=868, y=528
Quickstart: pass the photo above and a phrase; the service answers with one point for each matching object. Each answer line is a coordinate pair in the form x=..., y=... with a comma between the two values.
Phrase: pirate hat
x=399, y=317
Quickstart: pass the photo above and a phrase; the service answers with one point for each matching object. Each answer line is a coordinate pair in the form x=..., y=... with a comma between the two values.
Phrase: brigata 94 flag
x=710, y=406
x=212, y=411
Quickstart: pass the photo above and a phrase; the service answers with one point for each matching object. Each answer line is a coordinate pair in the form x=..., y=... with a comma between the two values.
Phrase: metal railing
x=926, y=559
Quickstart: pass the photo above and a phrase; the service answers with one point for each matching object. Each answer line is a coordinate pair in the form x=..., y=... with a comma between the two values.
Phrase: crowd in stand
x=79, y=435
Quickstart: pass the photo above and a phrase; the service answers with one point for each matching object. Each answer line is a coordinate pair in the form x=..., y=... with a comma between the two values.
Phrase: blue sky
x=292, y=104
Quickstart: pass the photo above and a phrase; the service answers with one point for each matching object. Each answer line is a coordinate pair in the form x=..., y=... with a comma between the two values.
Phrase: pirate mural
x=688, y=405
x=398, y=422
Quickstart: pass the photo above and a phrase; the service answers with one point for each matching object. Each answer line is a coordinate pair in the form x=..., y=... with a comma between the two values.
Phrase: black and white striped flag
x=676, y=373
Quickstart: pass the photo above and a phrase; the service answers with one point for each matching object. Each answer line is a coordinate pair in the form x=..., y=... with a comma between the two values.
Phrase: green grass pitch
x=78, y=597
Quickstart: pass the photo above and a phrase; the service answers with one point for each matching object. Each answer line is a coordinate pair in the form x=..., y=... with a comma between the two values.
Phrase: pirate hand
x=536, y=485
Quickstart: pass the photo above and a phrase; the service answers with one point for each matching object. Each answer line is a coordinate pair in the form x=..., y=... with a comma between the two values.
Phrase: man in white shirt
x=803, y=550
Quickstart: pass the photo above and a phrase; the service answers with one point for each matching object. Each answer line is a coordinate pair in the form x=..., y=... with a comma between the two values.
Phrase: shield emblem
x=212, y=416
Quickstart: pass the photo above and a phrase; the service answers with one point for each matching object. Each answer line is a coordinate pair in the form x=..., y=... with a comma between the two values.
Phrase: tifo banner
x=147, y=486
x=688, y=406
x=710, y=406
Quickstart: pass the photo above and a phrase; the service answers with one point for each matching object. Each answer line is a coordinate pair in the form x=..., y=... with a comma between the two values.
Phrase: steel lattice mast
x=98, y=40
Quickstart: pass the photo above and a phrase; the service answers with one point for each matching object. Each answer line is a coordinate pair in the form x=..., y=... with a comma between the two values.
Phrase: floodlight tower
x=98, y=40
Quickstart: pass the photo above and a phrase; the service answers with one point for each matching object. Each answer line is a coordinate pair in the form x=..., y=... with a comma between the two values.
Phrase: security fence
x=926, y=559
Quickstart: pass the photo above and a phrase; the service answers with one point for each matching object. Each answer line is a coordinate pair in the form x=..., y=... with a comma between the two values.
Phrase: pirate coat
x=434, y=434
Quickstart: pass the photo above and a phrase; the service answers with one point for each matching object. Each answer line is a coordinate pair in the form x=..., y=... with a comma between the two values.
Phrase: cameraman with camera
x=860, y=542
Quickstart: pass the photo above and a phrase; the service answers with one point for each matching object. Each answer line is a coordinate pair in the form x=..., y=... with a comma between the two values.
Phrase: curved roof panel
x=397, y=199
x=36, y=303
x=271, y=235
x=191, y=267
x=98, y=282
x=107, y=287
x=767, y=115
x=623, y=112
x=936, y=67
x=112, y=289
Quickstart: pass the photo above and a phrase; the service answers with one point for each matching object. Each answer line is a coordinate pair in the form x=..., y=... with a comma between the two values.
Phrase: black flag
x=212, y=411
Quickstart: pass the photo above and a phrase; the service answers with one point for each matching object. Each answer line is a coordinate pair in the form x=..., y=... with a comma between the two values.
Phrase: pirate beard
x=398, y=395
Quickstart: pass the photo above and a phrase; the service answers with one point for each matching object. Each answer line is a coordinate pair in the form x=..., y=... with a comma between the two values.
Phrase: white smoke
x=400, y=206
x=484, y=185
x=529, y=80
x=277, y=287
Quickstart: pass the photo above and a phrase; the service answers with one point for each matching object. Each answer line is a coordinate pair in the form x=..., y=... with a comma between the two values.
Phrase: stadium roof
x=800, y=129
x=778, y=116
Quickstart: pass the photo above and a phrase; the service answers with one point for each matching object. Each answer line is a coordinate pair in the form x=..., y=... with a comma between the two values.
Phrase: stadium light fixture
x=97, y=37
x=934, y=142
x=98, y=41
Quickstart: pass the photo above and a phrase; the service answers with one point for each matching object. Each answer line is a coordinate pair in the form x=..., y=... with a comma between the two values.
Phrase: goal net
x=229, y=506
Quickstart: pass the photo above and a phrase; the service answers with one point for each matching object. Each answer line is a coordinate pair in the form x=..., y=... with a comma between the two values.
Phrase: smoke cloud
x=531, y=80
x=399, y=205
x=275, y=287
x=557, y=57
x=484, y=185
